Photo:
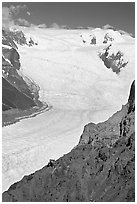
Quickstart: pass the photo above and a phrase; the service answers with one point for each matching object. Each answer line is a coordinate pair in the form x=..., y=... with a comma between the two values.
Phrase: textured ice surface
x=74, y=80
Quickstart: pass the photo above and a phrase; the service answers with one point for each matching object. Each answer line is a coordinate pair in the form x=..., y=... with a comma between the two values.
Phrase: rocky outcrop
x=8, y=40
x=98, y=36
x=108, y=38
x=114, y=61
x=17, y=36
x=101, y=168
x=88, y=38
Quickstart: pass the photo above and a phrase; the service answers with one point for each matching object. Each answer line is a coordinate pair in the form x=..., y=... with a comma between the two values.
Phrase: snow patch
x=6, y=46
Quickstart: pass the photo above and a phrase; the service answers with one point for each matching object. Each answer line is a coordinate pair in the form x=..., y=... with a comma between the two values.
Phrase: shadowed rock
x=113, y=61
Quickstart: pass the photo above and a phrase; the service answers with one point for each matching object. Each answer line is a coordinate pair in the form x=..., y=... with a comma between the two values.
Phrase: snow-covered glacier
x=74, y=80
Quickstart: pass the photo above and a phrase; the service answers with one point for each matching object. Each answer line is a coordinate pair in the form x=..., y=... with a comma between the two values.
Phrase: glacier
x=75, y=82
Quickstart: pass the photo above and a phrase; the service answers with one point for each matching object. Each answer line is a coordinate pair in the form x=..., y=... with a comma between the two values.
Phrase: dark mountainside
x=101, y=168
x=19, y=93
x=16, y=92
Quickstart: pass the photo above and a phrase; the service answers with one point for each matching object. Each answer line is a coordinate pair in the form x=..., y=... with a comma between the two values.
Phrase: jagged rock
x=51, y=163
x=31, y=42
x=12, y=56
x=108, y=38
x=19, y=37
x=7, y=40
x=99, y=131
x=88, y=38
x=94, y=171
x=115, y=61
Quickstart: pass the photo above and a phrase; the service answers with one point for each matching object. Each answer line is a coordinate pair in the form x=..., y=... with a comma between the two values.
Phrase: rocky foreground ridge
x=101, y=168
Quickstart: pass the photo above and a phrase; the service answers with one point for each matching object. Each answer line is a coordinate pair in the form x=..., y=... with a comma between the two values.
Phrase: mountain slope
x=11, y=71
x=19, y=93
x=100, y=169
x=13, y=98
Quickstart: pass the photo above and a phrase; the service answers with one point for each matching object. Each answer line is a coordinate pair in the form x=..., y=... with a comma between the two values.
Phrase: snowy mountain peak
x=77, y=37
x=99, y=36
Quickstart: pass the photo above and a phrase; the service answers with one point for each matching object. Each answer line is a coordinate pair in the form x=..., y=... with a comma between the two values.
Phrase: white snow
x=7, y=60
x=6, y=46
x=115, y=35
x=74, y=80
x=87, y=37
x=28, y=37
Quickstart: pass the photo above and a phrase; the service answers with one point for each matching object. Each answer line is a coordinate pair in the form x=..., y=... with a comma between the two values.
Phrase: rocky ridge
x=11, y=37
x=16, y=87
x=101, y=168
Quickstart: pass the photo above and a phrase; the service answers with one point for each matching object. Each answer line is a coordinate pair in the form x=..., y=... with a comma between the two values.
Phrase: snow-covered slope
x=75, y=81
x=103, y=36
x=72, y=76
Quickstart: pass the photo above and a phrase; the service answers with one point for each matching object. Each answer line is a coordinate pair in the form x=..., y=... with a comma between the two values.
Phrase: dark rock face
x=113, y=61
x=7, y=40
x=15, y=90
x=13, y=98
x=88, y=38
x=101, y=168
x=31, y=42
x=107, y=38
x=18, y=37
x=93, y=41
x=10, y=57
x=131, y=100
